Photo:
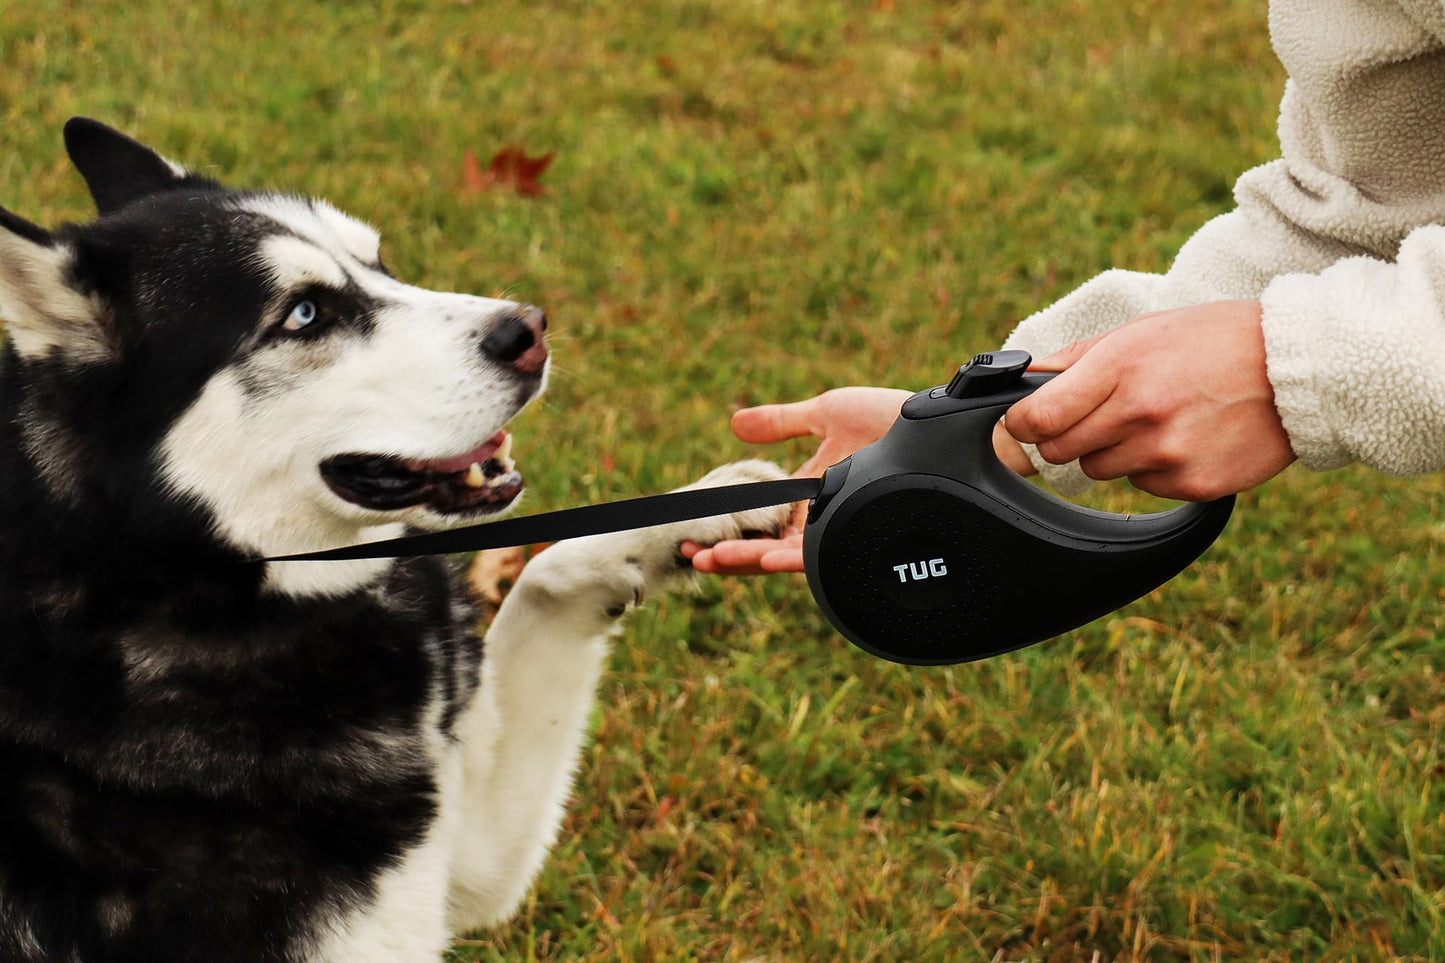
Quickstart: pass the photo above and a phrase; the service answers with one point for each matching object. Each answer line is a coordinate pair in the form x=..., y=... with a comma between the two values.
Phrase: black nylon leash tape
x=644, y=512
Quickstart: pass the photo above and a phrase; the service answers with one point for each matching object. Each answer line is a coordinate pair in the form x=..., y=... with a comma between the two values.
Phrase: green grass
x=755, y=201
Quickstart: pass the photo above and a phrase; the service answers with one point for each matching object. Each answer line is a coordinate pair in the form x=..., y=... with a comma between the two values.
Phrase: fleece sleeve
x=1356, y=355
x=1362, y=138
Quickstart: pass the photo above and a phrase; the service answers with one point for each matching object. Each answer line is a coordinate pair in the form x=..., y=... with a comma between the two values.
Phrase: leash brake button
x=988, y=374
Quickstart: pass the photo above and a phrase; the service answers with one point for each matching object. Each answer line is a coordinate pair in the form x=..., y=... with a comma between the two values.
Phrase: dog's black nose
x=516, y=339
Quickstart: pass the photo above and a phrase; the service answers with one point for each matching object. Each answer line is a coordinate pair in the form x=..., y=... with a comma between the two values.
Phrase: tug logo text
x=918, y=571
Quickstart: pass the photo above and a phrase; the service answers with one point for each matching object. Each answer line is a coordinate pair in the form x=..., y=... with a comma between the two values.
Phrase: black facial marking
x=346, y=310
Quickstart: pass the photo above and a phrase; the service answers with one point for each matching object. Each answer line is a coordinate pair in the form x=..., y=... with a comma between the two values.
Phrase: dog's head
x=247, y=354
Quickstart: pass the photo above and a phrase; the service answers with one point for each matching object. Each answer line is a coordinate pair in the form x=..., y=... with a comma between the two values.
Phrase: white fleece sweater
x=1342, y=240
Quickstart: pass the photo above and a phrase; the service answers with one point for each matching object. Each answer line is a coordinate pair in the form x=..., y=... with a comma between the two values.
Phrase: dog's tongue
x=477, y=456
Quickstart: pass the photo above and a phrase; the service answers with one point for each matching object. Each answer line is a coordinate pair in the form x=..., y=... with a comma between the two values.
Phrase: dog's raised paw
x=607, y=575
x=768, y=521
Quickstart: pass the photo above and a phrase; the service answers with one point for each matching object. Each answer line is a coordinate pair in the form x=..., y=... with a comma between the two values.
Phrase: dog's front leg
x=521, y=735
x=544, y=655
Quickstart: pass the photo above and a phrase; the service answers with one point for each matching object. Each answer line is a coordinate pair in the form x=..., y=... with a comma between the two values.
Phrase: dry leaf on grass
x=510, y=168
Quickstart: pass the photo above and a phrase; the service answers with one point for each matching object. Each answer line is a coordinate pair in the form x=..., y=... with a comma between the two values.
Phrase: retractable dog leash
x=921, y=548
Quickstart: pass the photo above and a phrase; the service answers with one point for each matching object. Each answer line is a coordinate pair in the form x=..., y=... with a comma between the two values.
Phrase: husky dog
x=204, y=756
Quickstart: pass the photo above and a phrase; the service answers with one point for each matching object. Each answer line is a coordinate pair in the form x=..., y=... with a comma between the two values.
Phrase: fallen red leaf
x=473, y=180
x=510, y=168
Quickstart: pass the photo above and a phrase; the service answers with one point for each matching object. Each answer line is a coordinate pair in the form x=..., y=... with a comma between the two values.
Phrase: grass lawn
x=752, y=201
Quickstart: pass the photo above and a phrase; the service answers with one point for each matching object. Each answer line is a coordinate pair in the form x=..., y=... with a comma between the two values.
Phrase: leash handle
x=630, y=513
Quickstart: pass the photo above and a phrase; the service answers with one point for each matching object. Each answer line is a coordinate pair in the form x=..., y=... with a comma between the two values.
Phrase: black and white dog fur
x=208, y=757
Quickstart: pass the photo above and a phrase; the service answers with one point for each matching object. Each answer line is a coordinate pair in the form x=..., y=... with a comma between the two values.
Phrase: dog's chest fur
x=218, y=761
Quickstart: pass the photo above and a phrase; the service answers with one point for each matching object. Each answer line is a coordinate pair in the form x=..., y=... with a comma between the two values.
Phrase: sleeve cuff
x=1291, y=321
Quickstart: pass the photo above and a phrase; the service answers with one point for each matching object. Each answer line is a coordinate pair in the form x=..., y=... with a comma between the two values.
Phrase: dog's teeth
x=504, y=452
x=475, y=478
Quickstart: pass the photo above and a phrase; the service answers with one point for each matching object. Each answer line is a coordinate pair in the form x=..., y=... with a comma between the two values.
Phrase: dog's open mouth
x=482, y=480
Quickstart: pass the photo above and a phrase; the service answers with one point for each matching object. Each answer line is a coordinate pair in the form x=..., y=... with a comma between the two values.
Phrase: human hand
x=845, y=419
x=1179, y=402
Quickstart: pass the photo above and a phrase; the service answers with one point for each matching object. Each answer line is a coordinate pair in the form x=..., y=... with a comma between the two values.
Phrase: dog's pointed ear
x=119, y=170
x=43, y=311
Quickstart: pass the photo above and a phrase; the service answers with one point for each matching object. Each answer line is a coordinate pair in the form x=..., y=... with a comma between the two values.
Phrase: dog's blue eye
x=303, y=314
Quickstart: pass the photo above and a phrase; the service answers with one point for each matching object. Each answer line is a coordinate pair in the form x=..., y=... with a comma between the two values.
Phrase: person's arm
x=1362, y=137
x=1343, y=366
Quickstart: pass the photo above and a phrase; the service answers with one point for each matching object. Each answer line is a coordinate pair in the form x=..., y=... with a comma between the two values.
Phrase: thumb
x=1065, y=357
x=769, y=423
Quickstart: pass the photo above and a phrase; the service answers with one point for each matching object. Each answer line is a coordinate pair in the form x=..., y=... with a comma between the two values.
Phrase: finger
x=788, y=558
x=1182, y=484
x=1097, y=432
x=1010, y=453
x=734, y=557
x=748, y=551
x=1063, y=402
x=704, y=563
x=769, y=423
x=704, y=557
x=1067, y=355
x=748, y=556
x=1070, y=353
x=1109, y=463
x=783, y=560
x=700, y=557
x=1166, y=484
x=1139, y=454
